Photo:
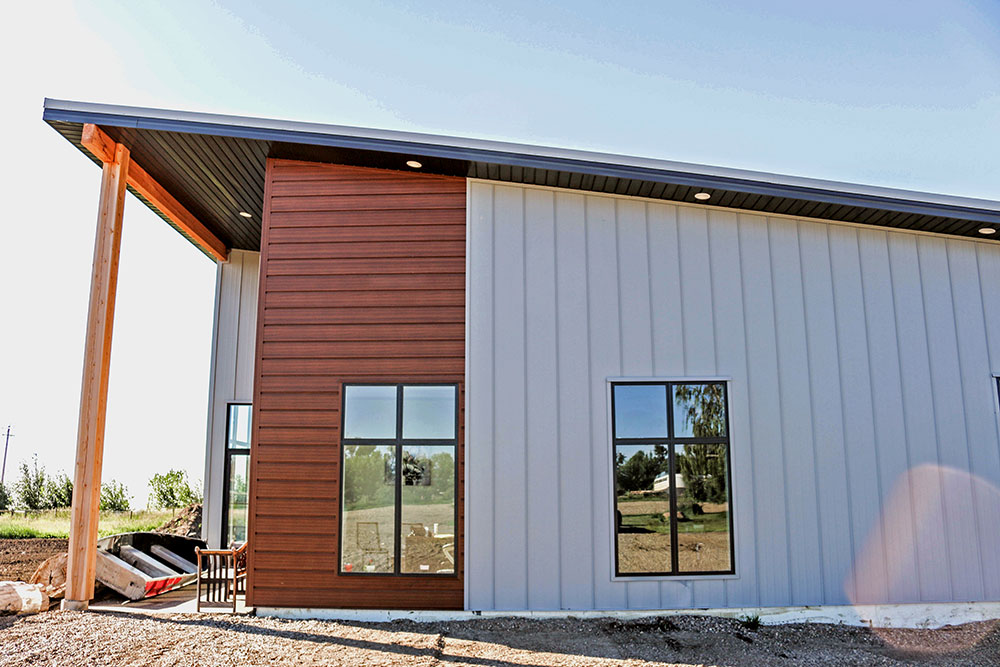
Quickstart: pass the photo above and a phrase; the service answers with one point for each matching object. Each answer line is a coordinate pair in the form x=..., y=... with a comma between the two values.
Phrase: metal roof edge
x=504, y=153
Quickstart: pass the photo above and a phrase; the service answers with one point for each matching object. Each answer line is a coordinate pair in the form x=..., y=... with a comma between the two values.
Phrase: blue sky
x=903, y=94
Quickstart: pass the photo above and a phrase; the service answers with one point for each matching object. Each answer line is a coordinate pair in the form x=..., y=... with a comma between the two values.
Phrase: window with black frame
x=672, y=479
x=398, y=453
x=237, y=474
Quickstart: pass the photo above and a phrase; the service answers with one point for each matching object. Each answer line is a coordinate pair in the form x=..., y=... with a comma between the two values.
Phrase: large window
x=237, y=474
x=398, y=483
x=672, y=481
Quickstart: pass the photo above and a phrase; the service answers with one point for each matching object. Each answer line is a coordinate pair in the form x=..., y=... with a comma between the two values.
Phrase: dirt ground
x=19, y=558
x=114, y=638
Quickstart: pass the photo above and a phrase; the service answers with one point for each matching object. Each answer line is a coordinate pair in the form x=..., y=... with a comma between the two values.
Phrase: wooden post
x=81, y=565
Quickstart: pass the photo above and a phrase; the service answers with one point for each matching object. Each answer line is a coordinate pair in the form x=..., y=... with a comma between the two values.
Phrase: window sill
x=677, y=577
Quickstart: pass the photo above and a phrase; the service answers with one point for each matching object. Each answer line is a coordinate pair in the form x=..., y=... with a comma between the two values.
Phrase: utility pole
x=6, y=442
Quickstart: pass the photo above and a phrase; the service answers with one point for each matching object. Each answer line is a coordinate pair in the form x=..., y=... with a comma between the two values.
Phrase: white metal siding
x=863, y=408
x=235, y=337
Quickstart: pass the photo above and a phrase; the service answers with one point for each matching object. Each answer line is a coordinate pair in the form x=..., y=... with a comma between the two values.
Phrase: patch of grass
x=55, y=523
x=751, y=623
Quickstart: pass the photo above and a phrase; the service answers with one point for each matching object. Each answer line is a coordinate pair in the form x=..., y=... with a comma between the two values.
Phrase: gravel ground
x=114, y=638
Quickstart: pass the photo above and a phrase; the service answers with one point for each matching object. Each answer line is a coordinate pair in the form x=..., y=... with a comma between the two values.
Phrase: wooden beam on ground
x=81, y=563
x=95, y=140
x=168, y=556
x=119, y=576
x=145, y=563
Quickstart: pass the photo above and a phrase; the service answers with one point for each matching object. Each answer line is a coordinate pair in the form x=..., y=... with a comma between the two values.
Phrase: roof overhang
x=214, y=166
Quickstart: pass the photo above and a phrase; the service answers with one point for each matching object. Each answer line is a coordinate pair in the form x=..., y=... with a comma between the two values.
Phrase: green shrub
x=172, y=490
x=5, y=500
x=58, y=491
x=114, y=497
x=30, y=488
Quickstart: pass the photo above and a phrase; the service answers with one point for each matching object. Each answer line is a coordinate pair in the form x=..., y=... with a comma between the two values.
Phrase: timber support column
x=80, y=570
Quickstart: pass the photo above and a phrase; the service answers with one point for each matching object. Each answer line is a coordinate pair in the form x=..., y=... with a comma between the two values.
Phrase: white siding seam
x=965, y=423
x=843, y=411
x=680, y=289
x=740, y=211
x=527, y=389
x=781, y=416
x=812, y=415
x=493, y=379
x=906, y=428
x=937, y=427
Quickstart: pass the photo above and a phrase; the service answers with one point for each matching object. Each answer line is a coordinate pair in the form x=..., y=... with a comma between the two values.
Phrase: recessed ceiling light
x=987, y=230
x=414, y=164
x=702, y=196
x=245, y=214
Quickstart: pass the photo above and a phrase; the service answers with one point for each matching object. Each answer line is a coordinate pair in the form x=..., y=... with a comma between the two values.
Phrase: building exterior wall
x=362, y=280
x=234, y=337
x=862, y=399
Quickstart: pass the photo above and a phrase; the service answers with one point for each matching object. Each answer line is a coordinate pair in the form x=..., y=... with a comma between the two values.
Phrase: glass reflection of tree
x=638, y=472
x=703, y=467
x=365, y=471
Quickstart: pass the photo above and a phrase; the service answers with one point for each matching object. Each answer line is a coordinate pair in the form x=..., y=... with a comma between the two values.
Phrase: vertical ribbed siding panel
x=857, y=403
x=573, y=437
x=480, y=420
x=977, y=388
x=605, y=361
x=232, y=373
x=952, y=436
x=833, y=498
x=541, y=401
x=932, y=561
x=860, y=400
x=796, y=411
x=890, y=436
x=509, y=396
x=772, y=522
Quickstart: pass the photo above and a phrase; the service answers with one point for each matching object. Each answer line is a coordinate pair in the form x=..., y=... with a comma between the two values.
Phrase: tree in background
x=30, y=488
x=703, y=467
x=5, y=500
x=114, y=497
x=639, y=472
x=172, y=490
x=58, y=491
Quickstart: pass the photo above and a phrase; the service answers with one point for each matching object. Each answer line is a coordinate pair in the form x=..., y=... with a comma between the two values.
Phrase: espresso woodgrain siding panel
x=362, y=279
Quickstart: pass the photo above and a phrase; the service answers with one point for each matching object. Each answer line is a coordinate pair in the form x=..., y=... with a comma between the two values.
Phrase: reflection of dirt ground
x=364, y=547
x=650, y=552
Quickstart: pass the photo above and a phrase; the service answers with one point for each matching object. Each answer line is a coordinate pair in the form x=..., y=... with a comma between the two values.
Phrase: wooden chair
x=223, y=573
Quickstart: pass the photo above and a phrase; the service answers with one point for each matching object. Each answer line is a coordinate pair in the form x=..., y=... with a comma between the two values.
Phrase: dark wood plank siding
x=362, y=279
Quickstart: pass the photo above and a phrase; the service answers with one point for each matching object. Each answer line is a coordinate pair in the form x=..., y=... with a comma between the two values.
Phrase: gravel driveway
x=114, y=638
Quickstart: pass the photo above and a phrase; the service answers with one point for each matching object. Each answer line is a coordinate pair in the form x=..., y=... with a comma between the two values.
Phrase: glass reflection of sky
x=370, y=412
x=239, y=427
x=640, y=411
x=429, y=413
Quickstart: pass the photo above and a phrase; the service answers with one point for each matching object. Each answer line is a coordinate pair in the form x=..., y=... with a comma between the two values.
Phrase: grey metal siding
x=235, y=335
x=863, y=408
